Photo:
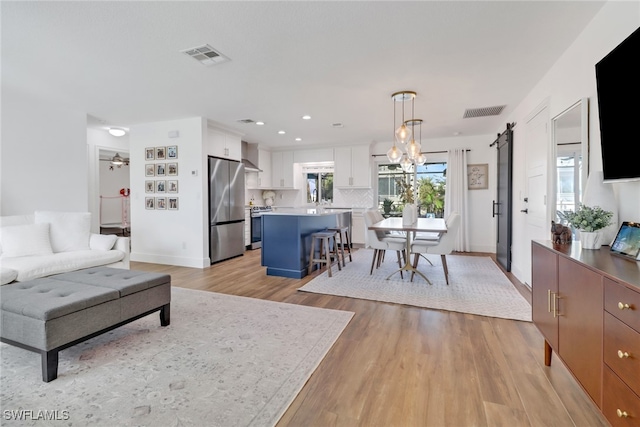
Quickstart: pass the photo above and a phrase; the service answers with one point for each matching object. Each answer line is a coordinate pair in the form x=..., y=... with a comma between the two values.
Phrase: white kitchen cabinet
x=352, y=167
x=264, y=163
x=224, y=144
x=247, y=227
x=282, y=169
x=357, y=228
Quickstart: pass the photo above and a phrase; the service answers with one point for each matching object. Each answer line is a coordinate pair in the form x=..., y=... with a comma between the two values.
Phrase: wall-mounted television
x=618, y=80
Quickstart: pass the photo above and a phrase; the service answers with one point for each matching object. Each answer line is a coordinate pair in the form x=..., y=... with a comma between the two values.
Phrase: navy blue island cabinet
x=286, y=238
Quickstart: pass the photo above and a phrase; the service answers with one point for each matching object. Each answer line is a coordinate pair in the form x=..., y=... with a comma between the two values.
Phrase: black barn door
x=502, y=206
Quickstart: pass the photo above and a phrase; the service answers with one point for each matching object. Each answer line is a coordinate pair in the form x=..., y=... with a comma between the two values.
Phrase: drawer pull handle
x=622, y=354
x=622, y=306
x=622, y=414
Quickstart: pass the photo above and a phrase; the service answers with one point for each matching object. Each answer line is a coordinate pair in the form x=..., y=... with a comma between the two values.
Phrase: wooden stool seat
x=345, y=241
x=326, y=239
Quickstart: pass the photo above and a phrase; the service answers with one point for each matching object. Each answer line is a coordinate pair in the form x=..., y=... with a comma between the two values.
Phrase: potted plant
x=386, y=205
x=589, y=220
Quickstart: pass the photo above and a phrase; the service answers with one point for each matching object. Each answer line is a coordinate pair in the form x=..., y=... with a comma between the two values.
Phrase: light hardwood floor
x=397, y=365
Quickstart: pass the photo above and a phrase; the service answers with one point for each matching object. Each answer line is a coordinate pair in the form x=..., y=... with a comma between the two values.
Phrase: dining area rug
x=223, y=361
x=476, y=285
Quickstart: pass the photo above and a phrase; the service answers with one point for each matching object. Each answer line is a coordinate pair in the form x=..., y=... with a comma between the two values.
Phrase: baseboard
x=171, y=260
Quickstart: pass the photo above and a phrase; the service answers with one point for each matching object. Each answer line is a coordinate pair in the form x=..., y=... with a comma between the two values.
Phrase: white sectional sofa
x=47, y=243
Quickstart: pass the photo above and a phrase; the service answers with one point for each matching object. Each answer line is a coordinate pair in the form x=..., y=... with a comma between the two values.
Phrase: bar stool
x=326, y=238
x=343, y=233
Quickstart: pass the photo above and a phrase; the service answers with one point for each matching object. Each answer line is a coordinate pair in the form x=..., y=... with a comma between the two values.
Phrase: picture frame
x=478, y=176
x=149, y=187
x=172, y=169
x=150, y=153
x=172, y=186
x=149, y=202
x=172, y=152
x=149, y=169
x=172, y=203
x=161, y=169
x=161, y=153
x=161, y=203
x=161, y=186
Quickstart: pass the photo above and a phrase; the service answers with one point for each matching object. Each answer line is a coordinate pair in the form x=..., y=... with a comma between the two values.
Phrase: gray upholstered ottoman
x=52, y=313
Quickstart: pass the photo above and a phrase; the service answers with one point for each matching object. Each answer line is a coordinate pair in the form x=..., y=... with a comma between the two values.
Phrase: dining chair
x=380, y=241
x=443, y=247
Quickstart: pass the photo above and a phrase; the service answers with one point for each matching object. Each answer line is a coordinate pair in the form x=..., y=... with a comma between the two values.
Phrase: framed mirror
x=570, y=136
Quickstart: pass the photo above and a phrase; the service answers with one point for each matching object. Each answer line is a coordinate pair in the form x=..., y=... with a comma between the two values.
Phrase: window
x=569, y=167
x=395, y=188
x=319, y=187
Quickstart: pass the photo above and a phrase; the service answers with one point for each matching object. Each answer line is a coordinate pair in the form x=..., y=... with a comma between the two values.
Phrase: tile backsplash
x=342, y=197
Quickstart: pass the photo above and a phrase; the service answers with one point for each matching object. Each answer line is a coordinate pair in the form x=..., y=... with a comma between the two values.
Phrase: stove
x=259, y=210
x=256, y=225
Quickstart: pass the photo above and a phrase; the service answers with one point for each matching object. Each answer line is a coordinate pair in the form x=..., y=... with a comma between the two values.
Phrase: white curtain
x=456, y=196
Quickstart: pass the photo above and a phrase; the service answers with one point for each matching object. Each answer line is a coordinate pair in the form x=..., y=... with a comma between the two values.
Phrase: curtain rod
x=422, y=152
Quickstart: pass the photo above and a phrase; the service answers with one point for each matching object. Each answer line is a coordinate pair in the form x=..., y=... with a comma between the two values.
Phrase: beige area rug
x=477, y=285
x=223, y=361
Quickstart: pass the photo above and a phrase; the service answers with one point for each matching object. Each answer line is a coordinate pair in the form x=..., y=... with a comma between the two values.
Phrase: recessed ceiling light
x=260, y=123
x=298, y=139
x=306, y=117
x=117, y=131
x=281, y=132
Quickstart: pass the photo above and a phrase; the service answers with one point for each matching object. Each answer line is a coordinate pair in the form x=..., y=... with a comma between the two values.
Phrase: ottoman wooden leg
x=49, y=365
x=165, y=315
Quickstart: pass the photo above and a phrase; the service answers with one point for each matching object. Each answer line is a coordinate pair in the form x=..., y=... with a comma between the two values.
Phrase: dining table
x=424, y=225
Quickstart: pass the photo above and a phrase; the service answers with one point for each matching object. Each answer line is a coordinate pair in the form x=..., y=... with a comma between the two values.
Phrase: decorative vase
x=590, y=239
x=268, y=202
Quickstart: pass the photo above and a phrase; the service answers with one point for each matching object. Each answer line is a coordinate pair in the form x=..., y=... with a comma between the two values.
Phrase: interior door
x=535, y=202
x=503, y=204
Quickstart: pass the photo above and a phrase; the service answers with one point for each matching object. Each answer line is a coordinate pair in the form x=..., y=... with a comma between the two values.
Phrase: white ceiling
x=336, y=61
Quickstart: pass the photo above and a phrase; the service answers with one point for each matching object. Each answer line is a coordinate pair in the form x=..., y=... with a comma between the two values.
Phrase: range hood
x=250, y=167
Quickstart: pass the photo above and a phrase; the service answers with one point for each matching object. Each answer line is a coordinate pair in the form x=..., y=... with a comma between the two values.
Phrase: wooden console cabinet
x=586, y=304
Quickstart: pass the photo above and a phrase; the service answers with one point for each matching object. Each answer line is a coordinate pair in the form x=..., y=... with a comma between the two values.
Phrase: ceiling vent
x=246, y=121
x=206, y=55
x=483, y=112
x=337, y=125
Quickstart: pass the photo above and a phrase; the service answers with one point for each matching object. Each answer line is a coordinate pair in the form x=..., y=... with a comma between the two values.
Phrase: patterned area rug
x=476, y=285
x=223, y=361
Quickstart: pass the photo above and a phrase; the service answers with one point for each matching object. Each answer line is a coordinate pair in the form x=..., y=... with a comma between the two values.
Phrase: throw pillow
x=25, y=240
x=102, y=242
x=69, y=230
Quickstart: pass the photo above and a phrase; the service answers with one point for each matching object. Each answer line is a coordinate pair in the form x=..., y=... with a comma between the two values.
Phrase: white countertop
x=306, y=211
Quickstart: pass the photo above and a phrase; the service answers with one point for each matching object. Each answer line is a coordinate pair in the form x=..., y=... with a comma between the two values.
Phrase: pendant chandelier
x=410, y=151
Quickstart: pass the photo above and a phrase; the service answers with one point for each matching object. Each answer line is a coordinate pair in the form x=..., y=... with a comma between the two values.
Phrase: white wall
x=481, y=224
x=174, y=237
x=43, y=162
x=573, y=77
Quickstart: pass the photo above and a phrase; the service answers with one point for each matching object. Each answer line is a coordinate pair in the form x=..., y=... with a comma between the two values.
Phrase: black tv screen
x=618, y=80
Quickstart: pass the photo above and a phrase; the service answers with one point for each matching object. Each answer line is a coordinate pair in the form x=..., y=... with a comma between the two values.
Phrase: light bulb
x=403, y=134
x=405, y=163
x=413, y=149
x=421, y=159
x=394, y=154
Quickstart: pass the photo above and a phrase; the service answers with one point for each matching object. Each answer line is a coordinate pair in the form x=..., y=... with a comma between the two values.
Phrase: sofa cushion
x=45, y=265
x=102, y=242
x=7, y=275
x=25, y=240
x=46, y=299
x=69, y=231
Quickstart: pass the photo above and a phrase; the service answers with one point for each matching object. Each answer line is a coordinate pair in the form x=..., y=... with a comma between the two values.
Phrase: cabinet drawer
x=615, y=294
x=619, y=397
x=621, y=340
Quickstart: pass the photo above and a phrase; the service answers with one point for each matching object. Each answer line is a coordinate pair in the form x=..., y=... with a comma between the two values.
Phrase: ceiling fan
x=116, y=160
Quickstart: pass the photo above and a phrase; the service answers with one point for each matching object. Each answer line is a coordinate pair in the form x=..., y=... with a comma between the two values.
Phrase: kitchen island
x=286, y=237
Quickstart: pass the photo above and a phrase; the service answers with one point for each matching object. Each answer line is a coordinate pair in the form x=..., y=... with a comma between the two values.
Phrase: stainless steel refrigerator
x=226, y=209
